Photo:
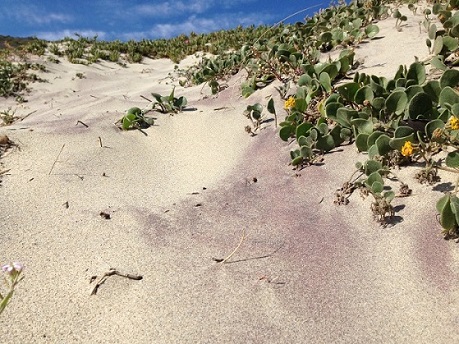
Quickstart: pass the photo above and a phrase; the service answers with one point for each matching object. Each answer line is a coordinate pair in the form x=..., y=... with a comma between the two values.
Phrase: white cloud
x=33, y=15
x=173, y=8
x=179, y=8
x=195, y=24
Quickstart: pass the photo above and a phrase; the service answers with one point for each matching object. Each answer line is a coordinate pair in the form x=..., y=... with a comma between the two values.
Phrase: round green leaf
x=374, y=177
x=432, y=125
x=364, y=93
x=134, y=111
x=372, y=166
x=371, y=30
x=441, y=203
x=432, y=88
x=306, y=152
x=448, y=97
x=325, y=81
x=454, y=203
x=325, y=143
x=432, y=31
x=361, y=142
x=297, y=161
x=455, y=31
x=420, y=106
x=383, y=144
x=345, y=115
x=372, y=138
x=447, y=218
x=286, y=132
x=302, y=129
x=438, y=63
x=304, y=80
x=373, y=151
x=450, y=78
x=331, y=108
x=412, y=90
x=451, y=43
x=326, y=37
x=396, y=102
x=377, y=187
x=438, y=45
x=452, y=159
x=417, y=72
x=389, y=195
x=348, y=90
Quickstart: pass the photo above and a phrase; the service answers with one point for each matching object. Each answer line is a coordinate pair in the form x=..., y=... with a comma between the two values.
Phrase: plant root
x=109, y=273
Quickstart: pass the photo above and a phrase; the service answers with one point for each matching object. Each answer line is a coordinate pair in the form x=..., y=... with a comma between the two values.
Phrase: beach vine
x=410, y=118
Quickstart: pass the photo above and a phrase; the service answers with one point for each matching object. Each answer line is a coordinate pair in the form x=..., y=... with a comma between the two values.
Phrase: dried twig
x=146, y=98
x=234, y=251
x=100, y=142
x=143, y=132
x=109, y=273
x=5, y=171
x=55, y=161
x=87, y=126
x=30, y=113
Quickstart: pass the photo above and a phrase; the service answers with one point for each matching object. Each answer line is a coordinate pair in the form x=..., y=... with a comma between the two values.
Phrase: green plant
x=36, y=46
x=12, y=275
x=136, y=119
x=370, y=181
x=14, y=77
x=8, y=116
x=54, y=49
x=399, y=19
x=169, y=104
x=254, y=114
x=53, y=59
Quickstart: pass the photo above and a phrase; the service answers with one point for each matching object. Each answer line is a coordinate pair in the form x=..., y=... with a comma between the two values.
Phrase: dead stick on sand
x=87, y=126
x=109, y=273
x=234, y=251
x=100, y=142
x=143, y=132
x=4, y=171
x=146, y=98
x=30, y=113
x=55, y=161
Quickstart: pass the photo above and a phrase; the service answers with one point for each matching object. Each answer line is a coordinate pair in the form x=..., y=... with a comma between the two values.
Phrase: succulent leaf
x=452, y=159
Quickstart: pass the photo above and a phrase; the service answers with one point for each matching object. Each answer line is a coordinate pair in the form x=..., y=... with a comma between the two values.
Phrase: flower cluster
x=12, y=277
x=289, y=103
x=453, y=122
x=13, y=268
x=407, y=149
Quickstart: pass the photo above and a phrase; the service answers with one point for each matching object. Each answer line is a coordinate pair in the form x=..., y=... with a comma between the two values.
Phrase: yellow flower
x=407, y=149
x=289, y=103
x=454, y=122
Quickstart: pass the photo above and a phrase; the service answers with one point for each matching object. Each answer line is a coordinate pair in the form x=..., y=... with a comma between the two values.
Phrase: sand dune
x=308, y=271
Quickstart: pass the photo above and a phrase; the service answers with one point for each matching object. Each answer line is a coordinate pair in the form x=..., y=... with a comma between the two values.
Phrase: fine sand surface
x=308, y=271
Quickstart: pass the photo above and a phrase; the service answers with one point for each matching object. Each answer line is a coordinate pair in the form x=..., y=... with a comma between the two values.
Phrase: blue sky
x=129, y=19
